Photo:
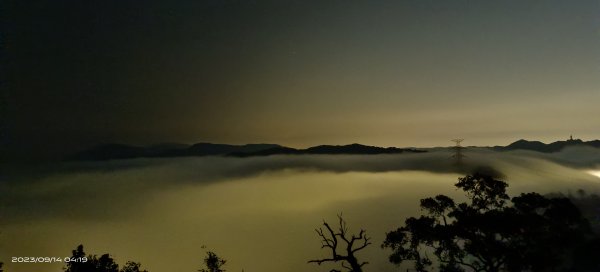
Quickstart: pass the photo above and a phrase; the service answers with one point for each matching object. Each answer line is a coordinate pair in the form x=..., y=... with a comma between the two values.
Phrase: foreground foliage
x=103, y=263
x=213, y=263
x=491, y=232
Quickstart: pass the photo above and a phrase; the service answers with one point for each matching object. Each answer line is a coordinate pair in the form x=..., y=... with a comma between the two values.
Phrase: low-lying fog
x=259, y=213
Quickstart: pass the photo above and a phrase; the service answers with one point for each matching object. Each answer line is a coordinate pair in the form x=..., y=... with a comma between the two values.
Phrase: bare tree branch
x=329, y=240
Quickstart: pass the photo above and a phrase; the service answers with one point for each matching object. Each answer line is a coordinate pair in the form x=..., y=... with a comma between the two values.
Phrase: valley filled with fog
x=259, y=213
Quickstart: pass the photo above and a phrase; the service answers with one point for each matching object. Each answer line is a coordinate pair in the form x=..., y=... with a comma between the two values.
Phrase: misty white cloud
x=156, y=210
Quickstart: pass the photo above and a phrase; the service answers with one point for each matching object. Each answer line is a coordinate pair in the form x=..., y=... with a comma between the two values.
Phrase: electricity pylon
x=458, y=155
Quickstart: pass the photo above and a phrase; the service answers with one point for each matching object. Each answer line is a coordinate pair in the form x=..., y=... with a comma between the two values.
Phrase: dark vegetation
x=104, y=263
x=213, y=263
x=492, y=232
x=342, y=246
x=588, y=204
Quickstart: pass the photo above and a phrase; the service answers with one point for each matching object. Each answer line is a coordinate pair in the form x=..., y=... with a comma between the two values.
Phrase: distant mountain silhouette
x=121, y=151
x=281, y=150
x=546, y=148
x=206, y=148
x=351, y=149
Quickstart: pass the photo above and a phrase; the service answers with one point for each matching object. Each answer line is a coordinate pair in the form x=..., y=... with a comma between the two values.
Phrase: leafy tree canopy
x=104, y=263
x=213, y=263
x=491, y=232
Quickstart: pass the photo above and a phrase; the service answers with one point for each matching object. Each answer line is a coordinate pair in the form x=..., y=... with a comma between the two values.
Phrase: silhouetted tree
x=331, y=240
x=588, y=204
x=132, y=267
x=104, y=263
x=535, y=233
x=213, y=263
x=79, y=266
x=1, y=266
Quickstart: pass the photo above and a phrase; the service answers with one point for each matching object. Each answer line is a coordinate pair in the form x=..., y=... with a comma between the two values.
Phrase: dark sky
x=298, y=73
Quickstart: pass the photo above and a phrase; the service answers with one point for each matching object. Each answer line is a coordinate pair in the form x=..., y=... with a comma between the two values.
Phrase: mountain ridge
x=538, y=146
x=123, y=151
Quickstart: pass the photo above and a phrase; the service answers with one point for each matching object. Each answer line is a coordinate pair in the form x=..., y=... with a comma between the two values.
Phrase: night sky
x=297, y=73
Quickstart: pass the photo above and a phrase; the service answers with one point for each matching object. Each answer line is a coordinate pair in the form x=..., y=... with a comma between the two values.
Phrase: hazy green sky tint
x=300, y=73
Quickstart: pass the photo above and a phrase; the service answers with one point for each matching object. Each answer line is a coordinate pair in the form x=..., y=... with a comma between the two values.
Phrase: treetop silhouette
x=104, y=263
x=213, y=263
x=340, y=240
x=534, y=233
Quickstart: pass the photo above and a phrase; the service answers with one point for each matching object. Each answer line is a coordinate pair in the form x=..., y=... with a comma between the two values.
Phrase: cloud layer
x=154, y=210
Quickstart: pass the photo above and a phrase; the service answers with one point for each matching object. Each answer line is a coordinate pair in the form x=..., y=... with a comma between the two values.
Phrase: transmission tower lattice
x=458, y=155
